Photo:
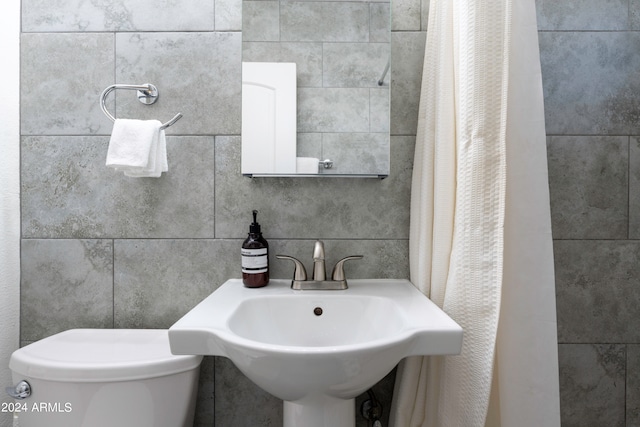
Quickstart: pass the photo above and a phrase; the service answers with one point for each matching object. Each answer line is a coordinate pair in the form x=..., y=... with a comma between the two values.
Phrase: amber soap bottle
x=255, y=257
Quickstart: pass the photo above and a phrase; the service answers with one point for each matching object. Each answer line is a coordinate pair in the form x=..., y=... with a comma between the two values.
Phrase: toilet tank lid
x=101, y=355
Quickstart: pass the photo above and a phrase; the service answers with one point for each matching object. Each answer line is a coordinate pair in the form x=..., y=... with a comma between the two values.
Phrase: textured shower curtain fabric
x=480, y=237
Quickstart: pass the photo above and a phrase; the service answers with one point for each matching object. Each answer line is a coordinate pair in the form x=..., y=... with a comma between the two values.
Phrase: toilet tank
x=105, y=378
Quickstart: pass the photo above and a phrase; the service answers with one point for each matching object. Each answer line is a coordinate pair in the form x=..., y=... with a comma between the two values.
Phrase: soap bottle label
x=254, y=260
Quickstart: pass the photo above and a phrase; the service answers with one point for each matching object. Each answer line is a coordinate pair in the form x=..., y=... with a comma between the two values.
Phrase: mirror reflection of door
x=269, y=118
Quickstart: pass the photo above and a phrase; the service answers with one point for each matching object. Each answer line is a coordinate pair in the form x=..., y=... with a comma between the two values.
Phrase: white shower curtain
x=480, y=244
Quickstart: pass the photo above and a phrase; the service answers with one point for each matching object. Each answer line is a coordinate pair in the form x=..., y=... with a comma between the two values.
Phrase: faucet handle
x=338, y=270
x=300, y=273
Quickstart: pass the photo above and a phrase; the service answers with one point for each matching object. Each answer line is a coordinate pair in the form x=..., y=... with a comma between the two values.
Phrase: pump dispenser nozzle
x=254, y=227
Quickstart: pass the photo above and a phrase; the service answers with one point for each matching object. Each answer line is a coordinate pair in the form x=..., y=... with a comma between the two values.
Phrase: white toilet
x=105, y=378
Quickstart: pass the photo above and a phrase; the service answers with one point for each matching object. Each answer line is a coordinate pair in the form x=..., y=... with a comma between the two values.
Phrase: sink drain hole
x=317, y=311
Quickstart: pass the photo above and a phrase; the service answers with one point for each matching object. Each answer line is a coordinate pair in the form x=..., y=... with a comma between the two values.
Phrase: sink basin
x=316, y=350
x=291, y=320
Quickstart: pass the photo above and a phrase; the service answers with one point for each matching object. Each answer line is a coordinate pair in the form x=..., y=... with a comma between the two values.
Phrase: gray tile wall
x=590, y=62
x=100, y=250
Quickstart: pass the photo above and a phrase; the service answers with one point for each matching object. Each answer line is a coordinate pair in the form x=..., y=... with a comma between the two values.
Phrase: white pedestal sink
x=316, y=350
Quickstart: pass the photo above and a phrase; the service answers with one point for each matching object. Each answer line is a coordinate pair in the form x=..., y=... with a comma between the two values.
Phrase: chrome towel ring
x=147, y=94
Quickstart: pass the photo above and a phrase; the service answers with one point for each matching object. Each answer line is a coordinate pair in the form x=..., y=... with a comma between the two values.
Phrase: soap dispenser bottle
x=255, y=257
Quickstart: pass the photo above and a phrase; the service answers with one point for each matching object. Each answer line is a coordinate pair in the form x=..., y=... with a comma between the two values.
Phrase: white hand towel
x=138, y=148
x=157, y=160
x=307, y=165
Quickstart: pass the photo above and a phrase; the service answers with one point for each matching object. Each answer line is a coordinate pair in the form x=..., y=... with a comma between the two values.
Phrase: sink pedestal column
x=320, y=411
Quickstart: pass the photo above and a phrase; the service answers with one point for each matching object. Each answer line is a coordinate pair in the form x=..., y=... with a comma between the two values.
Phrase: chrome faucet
x=319, y=271
x=318, y=280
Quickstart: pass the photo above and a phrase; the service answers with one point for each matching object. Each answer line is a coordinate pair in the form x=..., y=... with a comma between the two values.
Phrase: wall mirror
x=338, y=52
